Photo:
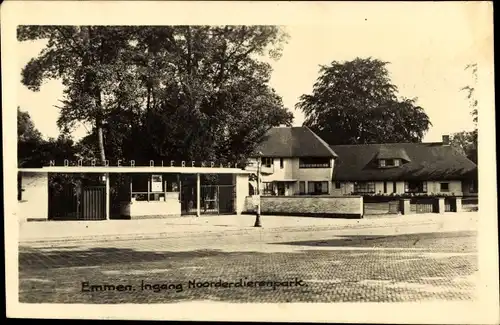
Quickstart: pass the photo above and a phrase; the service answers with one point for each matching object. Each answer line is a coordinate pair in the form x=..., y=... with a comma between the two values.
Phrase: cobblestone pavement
x=316, y=267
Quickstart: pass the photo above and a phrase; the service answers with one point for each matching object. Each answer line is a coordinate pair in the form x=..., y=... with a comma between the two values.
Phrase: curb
x=211, y=233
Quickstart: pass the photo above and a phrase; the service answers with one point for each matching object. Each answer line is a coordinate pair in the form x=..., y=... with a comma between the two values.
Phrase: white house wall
x=242, y=189
x=34, y=202
x=455, y=187
x=291, y=171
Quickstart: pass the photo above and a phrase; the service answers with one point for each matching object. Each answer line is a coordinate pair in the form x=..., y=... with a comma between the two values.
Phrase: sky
x=427, y=58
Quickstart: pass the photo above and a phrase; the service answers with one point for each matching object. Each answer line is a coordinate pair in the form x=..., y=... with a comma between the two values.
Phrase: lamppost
x=258, y=223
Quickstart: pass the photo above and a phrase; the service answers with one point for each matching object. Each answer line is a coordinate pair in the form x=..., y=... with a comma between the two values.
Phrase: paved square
x=289, y=267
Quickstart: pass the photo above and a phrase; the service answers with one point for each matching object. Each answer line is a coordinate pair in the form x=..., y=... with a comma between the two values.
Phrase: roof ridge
x=387, y=144
x=323, y=142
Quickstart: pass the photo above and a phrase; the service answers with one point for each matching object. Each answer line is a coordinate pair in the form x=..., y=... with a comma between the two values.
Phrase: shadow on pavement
x=432, y=241
x=34, y=259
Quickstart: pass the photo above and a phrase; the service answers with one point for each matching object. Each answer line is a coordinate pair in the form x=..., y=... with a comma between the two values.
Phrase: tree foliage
x=33, y=150
x=355, y=102
x=178, y=92
x=466, y=141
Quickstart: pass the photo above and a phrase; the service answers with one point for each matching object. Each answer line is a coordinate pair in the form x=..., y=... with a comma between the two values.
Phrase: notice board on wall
x=156, y=183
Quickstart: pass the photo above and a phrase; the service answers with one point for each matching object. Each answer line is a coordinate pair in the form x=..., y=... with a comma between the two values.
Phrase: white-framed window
x=389, y=162
x=415, y=187
x=317, y=187
x=282, y=163
x=267, y=188
x=337, y=185
x=364, y=187
x=267, y=161
x=314, y=163
x=445, y=187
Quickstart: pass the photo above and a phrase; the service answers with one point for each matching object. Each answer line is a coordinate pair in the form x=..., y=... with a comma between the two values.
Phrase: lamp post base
x=257, y=221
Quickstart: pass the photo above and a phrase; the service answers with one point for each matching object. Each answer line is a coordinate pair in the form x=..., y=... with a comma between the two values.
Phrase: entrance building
x=138, y=192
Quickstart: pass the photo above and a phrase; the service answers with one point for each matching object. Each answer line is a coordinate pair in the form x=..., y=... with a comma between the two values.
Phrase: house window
x=281, y=163
x=394, y=187
x=337, y=185
x=389, y=162
x=415, y=187
x=267, y=161
x=445, y=187
x=317, y=187
x=314, y=163
x=364, y=187
x=302, y=187
x=267, y=188
x=385, y=187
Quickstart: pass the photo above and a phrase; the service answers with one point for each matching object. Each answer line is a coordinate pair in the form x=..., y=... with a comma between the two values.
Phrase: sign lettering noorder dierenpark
x=152, y=163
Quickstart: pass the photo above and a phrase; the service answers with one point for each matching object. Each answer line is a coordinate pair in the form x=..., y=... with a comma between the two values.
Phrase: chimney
x=446, y=140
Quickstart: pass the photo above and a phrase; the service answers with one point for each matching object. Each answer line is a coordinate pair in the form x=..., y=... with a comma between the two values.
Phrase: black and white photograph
x=259, y=161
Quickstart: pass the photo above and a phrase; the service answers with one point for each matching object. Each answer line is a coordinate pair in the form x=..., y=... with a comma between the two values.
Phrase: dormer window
x=389, y=162
x=389, y=156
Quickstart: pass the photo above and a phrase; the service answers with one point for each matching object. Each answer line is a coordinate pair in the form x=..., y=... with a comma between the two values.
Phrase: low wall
x=324, y=206
x=151, y=209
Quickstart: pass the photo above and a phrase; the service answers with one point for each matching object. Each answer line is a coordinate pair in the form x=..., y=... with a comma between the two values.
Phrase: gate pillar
x=198, y=190
x=404, y=206
x=107, y=195
x=440, y=205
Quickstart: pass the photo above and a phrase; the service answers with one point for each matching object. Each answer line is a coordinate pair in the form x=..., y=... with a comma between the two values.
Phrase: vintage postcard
x=258, y=161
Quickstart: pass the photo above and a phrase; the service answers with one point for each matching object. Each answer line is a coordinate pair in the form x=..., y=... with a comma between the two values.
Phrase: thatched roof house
x=418, y=161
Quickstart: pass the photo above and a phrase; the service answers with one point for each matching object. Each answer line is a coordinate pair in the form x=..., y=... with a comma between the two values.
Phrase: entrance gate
x=71, y=203
x=214, y=199
x=94, y=203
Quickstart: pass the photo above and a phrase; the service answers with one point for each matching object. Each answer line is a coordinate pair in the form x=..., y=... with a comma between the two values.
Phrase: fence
x=94, y=203
x=383, y=205
x=380, y=205
x=70, y=203
x=470, y=204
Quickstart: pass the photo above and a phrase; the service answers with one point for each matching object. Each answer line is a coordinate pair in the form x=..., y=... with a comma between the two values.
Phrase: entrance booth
x=145, y=192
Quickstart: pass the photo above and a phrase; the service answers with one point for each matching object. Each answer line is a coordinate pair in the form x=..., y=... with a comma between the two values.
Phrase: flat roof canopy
x=134, y=170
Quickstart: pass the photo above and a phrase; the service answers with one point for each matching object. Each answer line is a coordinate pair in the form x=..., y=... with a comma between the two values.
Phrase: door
x=94, y=203
x=281, y=188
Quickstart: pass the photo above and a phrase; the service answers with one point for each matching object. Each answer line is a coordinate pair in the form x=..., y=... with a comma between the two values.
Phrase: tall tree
x=87, y=59
x=466, y=141
x=193, y=92
x=355, y=102
x=29, y=140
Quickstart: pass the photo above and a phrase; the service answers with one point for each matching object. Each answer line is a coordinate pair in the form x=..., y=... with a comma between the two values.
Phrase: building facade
x=295, y=161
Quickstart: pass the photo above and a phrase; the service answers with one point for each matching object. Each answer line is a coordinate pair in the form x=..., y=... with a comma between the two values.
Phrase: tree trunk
x=100, y=140
x=99, y=126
